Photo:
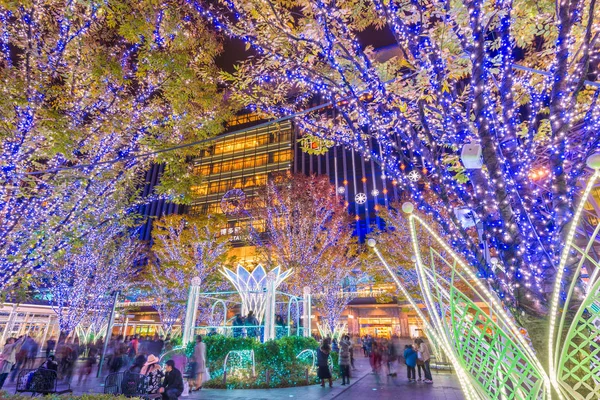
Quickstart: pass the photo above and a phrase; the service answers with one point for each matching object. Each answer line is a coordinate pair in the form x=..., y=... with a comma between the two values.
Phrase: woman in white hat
x=153, y=373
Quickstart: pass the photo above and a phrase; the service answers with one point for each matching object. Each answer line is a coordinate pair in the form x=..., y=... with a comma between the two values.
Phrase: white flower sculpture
x=252, y=286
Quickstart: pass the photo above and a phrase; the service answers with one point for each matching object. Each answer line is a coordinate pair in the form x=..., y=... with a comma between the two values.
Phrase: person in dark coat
x=238, y=326
x=138, y=363
x=50, y=346
x=323, y=371
x=50, y=363
x=172, y=386
x=252, y=323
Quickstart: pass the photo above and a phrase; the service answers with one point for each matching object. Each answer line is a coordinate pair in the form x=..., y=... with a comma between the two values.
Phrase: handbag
x=205, y=375
x=186, y=389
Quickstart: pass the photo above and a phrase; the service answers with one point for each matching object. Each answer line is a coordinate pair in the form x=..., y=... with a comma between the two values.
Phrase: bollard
x=225, y=378
x=306, y=376
x=268, y=376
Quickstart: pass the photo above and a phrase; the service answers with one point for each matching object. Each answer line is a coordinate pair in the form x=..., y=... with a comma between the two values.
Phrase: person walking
x=426, y=358
x=50, y=346
x=376, y=356
x=132, y=350
x=345, y=359
x=323, y=371
x=199, y=360
x=369, y=345
x=86, y=369
x=9, y=357
x=352, y=355
x=32, y=351
x=20, y=357
x=153, y=373
x=391, y=358
x=172, y=386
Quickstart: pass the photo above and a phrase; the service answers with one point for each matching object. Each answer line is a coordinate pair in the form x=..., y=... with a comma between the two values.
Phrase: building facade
x=242, y=160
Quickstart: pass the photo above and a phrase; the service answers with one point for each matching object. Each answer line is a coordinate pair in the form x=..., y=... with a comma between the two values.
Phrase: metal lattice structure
x=492, y=355
x=489, y=348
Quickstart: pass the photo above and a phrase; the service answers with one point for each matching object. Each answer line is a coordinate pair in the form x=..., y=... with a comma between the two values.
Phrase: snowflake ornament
x=360, y=198
x=414, y=176
x=375, y=192
x=341, y=190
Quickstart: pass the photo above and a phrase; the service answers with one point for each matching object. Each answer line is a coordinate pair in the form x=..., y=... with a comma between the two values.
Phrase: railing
x=253, y=331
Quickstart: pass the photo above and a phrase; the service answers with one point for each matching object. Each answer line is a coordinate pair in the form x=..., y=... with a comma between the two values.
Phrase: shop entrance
x=376, y=327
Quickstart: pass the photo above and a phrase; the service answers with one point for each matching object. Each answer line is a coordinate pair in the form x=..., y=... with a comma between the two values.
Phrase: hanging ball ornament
x=196, y=281
x=371, y=242
x=593, y=161
x=414, y=176
x=408, y=207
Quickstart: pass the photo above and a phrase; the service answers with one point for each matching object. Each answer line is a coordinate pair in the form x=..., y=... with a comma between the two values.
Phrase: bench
x=40, y=381
x=128, y=384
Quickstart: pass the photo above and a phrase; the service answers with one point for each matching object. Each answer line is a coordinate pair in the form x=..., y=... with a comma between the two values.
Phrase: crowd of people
x=383, y=355
x=132, y=354
x=141, y=355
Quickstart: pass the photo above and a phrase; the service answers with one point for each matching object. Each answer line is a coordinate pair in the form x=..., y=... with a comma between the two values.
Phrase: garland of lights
x=419, y=118
x=90, y=101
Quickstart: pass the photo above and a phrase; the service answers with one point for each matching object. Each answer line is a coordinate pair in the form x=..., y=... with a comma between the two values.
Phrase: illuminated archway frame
x=502, y=362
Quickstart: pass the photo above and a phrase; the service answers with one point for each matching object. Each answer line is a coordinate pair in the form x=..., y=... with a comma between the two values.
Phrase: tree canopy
x=92, y=92
x=512, y=77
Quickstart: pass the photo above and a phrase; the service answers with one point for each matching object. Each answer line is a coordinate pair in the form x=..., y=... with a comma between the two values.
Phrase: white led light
x=360, y=198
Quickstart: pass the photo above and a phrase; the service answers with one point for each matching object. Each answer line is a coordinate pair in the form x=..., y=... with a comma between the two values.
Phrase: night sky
x=234, y=49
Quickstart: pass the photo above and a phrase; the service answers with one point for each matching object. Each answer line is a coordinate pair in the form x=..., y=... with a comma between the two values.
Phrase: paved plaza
x=364, y=385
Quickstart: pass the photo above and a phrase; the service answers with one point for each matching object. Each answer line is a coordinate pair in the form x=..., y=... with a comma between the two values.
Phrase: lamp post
x=306, y=317
x=191, y=311
x=111, y=321
x=270, y=307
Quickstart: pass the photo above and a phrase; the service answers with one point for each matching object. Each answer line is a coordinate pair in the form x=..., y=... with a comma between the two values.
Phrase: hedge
x=276, y=356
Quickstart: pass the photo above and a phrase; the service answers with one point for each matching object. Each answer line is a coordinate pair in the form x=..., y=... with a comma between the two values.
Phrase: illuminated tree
x=168, y=291
x=305, y=223
x=80, y=282
x=91, y=91
x=330, y=296
x=509, y=76
x=309, y=231
x=186, y=247
x=394, y=242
